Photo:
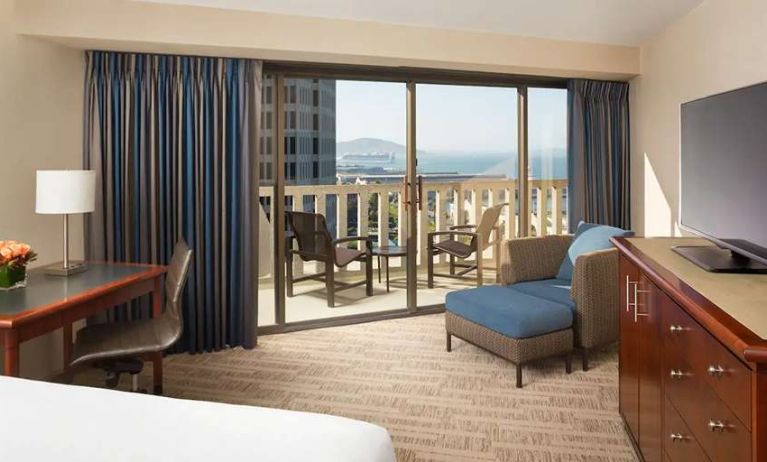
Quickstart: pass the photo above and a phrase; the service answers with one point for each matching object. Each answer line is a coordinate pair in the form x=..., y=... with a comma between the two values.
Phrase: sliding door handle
x=419, y=198
x=405, y=193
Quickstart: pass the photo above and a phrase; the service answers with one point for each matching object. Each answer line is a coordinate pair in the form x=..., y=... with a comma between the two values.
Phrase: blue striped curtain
x=172, y=140
x=599, y=150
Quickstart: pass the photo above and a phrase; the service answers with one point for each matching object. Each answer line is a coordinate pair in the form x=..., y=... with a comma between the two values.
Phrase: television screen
x=724, y=169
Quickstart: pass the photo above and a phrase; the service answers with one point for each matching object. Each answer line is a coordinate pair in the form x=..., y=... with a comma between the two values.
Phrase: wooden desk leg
x=11, y=354
x=157, y=357
x=67, y=351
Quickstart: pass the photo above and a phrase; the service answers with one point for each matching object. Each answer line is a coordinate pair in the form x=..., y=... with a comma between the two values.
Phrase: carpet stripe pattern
x=438, y=406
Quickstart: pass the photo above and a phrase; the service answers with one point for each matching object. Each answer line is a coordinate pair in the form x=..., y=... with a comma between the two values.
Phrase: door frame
x=411, y=77
x=412, y=200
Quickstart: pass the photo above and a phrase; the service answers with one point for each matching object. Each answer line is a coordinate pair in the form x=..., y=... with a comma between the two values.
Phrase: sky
x=450, y=117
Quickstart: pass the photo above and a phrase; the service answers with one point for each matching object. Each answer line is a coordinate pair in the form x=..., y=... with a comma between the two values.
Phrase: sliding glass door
x=547, y=166
x=467, y=162
x=379, y=196
x=339, y=155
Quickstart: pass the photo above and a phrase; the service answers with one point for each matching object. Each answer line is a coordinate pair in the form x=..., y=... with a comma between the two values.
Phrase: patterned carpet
x=438, y=406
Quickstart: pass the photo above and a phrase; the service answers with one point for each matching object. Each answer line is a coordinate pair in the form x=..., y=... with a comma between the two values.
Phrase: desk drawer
x=715, y=427
x=710, y=360
x=680, y=443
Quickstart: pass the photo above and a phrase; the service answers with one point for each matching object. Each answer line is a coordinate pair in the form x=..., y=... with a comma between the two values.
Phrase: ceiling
x=619, y=22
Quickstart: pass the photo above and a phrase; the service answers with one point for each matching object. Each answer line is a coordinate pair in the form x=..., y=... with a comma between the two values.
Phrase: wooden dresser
x=693, y=356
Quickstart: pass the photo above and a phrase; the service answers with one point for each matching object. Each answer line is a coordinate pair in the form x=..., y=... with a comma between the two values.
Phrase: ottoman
x=516, y=326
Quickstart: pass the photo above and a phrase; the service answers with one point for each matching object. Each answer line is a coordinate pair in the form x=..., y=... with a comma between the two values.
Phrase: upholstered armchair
x=593, y=288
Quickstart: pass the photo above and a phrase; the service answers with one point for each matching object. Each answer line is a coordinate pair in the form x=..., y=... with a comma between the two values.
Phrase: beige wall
x=41, y=81
x=721, y=45
x=140, y=26
x=40, y=127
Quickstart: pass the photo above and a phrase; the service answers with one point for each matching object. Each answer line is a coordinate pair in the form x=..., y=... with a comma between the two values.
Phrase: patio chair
x=315, y=244
x=480, y=241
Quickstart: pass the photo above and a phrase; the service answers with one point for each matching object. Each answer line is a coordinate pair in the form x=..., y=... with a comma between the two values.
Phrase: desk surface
x=45, y=292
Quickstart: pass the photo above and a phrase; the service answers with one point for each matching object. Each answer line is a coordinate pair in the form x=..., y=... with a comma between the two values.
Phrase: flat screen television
x=723, y=173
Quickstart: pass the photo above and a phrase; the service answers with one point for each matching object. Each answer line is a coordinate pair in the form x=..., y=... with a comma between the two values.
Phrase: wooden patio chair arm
x=434, y=234
x=343, y=240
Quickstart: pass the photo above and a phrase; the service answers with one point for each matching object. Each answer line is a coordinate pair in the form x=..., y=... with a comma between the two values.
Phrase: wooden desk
x=52, y=302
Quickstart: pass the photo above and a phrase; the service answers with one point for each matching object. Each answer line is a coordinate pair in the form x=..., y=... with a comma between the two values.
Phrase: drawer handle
x=716, y=425
x=715, y=370
x=636, y=305
x=676, y=374
x=628, y=293
x=674, y=328
x=675, y=437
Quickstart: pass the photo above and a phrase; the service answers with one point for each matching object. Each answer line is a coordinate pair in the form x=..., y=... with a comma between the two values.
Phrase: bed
x=46, y=421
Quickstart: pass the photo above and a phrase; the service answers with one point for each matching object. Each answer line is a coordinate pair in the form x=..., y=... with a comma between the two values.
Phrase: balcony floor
x=309, y=302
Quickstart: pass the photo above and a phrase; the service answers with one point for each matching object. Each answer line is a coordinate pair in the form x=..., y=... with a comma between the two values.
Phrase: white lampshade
x=66, y=191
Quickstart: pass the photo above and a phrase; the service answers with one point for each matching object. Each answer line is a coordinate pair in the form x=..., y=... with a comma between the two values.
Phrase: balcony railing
x=445, y=204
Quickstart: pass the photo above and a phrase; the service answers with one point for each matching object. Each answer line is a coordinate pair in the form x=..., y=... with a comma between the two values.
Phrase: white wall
x=720, y=45
x=40, y=127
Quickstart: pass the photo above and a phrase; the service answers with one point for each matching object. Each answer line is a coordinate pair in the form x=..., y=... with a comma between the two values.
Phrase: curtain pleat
x=599, y=150
x=170, y=138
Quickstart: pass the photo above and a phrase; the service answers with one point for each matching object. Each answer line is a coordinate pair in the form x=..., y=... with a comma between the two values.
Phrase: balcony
x=376, y=209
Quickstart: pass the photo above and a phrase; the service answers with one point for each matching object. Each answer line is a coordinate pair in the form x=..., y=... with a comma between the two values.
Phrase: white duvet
x=42, y=421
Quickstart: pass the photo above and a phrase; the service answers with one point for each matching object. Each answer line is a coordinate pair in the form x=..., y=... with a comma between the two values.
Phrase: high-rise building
x=310, y=132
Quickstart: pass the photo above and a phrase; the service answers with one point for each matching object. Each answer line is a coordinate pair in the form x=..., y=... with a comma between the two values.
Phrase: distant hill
x=365, y=145
x=362, y=145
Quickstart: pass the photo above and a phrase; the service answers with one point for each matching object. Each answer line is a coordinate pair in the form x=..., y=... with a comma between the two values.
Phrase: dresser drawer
x=715, y=427
x=710, y=360
x=680, y=444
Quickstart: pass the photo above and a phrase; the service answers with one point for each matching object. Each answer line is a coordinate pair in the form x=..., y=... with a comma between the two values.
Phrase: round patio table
x=387, y=252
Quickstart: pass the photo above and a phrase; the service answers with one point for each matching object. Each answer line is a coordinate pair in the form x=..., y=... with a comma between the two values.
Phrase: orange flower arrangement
x=13, y=253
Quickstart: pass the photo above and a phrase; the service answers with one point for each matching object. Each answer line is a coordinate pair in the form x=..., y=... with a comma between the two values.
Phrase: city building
x=310, y=131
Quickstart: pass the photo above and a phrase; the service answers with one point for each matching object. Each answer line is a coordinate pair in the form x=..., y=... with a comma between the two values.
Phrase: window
x=290, y=94
x=290, y=120
x=290, y=171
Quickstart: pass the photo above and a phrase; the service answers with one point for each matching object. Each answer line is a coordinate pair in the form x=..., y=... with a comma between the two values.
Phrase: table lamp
x=65, y=192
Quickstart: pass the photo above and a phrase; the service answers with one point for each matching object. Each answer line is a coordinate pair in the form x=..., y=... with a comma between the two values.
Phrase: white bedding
x=42, y=421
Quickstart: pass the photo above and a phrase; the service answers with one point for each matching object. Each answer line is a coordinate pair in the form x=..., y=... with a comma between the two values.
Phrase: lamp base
x=58, y=269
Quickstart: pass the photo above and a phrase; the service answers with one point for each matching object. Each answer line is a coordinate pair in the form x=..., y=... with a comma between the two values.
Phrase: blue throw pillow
x=589, y=237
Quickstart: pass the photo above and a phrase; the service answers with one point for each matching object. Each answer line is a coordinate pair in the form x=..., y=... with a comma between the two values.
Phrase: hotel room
x=429, y=230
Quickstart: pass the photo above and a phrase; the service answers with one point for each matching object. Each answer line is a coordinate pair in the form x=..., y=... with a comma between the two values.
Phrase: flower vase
x=12, y=276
